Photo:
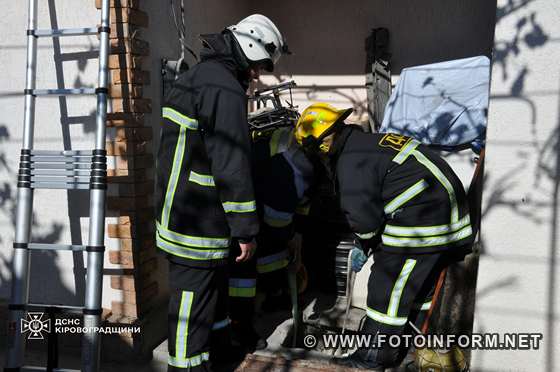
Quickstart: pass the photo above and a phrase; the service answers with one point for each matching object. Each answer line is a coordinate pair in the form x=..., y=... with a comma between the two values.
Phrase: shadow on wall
x=527, y=34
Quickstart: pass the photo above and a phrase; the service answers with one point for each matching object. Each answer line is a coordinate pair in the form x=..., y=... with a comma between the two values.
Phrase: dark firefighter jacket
x=283, y=179
x=391, y=185
x=204, y=192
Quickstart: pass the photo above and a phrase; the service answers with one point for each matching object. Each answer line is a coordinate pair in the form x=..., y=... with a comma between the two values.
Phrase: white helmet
x=259, y=39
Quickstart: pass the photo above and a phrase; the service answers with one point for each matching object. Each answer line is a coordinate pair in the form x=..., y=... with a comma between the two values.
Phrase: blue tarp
x=442, y=103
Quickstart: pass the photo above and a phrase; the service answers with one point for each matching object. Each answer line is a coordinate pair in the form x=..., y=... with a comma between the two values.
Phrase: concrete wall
x=517, y=287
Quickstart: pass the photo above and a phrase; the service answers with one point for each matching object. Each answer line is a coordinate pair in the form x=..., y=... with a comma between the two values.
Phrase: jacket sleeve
x=360, y=196
x=228, y=147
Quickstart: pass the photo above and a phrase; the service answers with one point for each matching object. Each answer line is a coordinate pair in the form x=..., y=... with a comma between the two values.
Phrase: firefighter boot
x=362, y=359
x=245, y=335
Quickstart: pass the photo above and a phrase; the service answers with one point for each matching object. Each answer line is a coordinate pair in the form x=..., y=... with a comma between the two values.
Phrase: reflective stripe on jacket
x=204, y=192
x=393, y=184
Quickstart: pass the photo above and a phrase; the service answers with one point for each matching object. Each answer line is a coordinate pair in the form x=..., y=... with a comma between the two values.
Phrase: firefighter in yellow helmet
x=405, y=203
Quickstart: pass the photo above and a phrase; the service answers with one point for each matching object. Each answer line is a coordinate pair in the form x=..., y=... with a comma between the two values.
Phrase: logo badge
x=35, y=325
x=394, y=141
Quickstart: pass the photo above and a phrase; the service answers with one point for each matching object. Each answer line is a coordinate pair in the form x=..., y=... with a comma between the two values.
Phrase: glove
x=358, y=259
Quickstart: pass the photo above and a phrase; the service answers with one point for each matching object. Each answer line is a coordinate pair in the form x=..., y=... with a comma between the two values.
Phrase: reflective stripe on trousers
x=391, y=317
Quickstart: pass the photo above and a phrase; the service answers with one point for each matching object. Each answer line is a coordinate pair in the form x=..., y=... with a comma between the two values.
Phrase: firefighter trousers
x=197, y=312
x=400, y=289
x=268, y=264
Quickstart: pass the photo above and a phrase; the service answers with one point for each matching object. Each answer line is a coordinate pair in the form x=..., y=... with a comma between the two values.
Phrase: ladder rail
x=94, y=276
x=62, y=169
x=21, y=259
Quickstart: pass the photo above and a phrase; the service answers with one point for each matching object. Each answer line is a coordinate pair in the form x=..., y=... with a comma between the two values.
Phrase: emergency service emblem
x=394, y=141
x=35, y=325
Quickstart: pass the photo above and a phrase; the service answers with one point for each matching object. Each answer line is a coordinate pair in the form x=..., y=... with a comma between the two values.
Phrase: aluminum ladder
x=68, y=170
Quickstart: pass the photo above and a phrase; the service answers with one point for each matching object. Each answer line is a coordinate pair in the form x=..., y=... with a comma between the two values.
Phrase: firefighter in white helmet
x=205, y=203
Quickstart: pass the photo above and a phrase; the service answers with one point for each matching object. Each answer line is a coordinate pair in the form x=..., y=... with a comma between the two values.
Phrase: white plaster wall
x=54, y=222
x=60, y=217
x=517, y=281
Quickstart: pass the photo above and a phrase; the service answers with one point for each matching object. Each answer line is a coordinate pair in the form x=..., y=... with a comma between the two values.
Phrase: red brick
x=124, y=30
x=129, y=76
x=132, y=105
x=126, y=175
x=123, y=308
x=122, y=119
x=133, y=134
x=135, y=162
x=123, y=282
x=124, y=258
x=129, y=15
x=125, y=91
x=125, y=148
x=126, y=204
x=117, y=61
x=120, y=4
x=134, y=46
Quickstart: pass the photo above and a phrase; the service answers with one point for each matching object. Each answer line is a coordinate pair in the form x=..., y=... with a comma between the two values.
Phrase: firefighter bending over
x=402, y=198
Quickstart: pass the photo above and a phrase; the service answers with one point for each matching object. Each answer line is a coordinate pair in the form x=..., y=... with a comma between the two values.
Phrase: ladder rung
x=55, y=247
x=62, y=92
x=60, y=185
x=60, y=172
x=63, y=179
x=61, y=159
x=66, y=32
x=67, y=166
x=62, y=153
x=64, y=308
x=33, y=369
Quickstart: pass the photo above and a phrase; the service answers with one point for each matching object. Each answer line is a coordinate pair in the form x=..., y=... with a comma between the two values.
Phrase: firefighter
x=282, y=177
x=396, y=192
x=205, y=201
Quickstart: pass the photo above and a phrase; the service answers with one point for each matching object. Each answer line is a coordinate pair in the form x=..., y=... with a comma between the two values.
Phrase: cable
x=181, y=30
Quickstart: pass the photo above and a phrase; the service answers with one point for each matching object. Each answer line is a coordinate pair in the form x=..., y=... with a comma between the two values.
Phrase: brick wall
x=130, y=232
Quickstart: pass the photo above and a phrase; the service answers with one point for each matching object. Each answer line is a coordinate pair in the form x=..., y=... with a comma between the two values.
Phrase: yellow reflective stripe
x=183, y=324
x=242, y=292
x=221, y=324
x=406, y=151
x=417, y=231
x=384, y=318
x=272, y=262
x=443, y=180
x=405, y=196
x=366, y=236
x=427, y=241
x=190, y=240
x=426, y=306
x=201, y=179
x=178, y=118
x=276, y=218
x=188, y=362
x=303, y=209
x=276, y=222
x=399, y=287
x=274, y=140
x=242, y=287
x=174, y=177
x=191, y=253
x=279, y=141
x=240, y=207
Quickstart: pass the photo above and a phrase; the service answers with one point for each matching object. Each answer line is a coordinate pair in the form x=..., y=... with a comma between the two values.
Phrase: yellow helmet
x=317, y=122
